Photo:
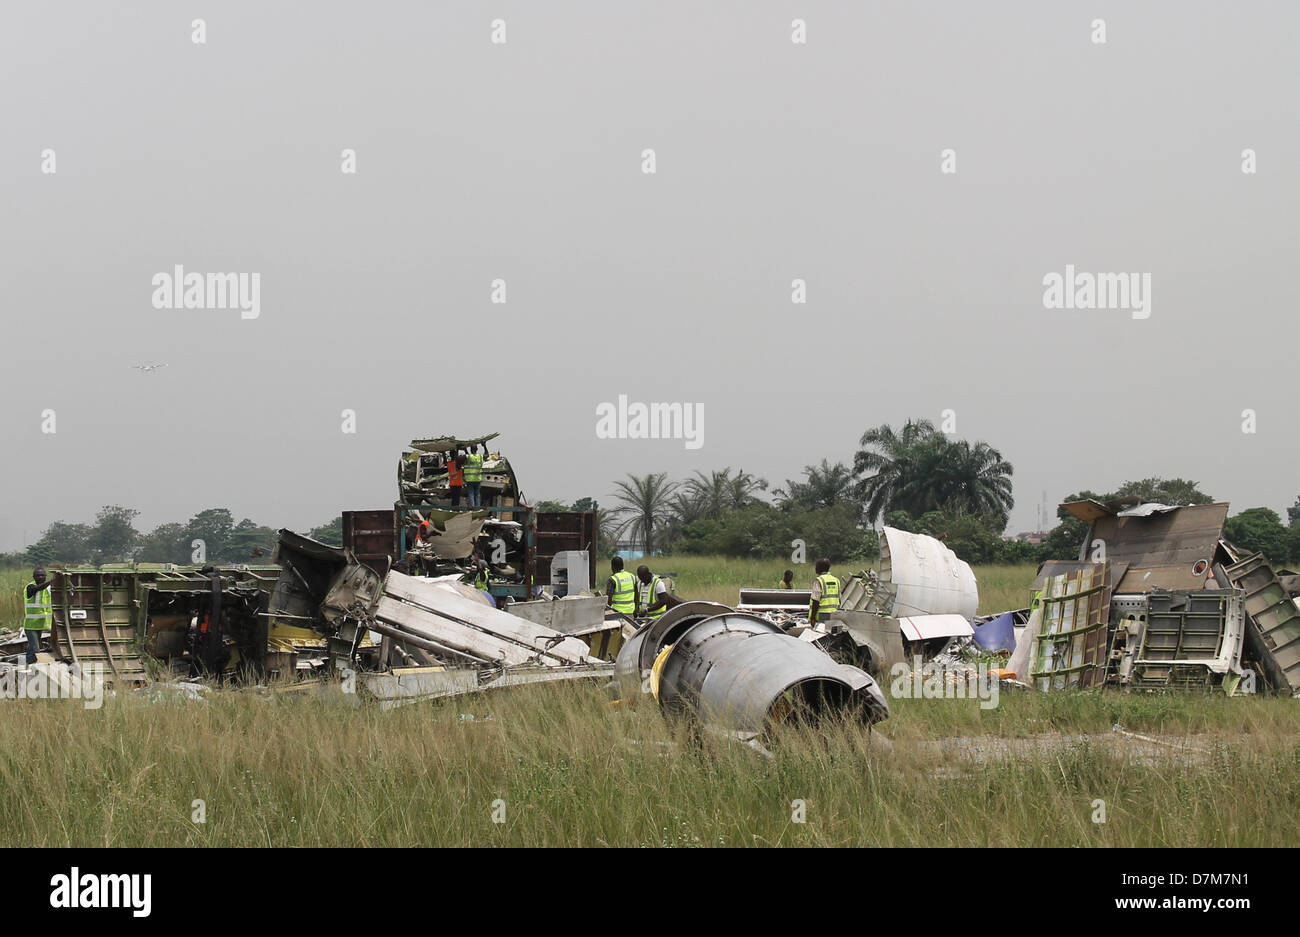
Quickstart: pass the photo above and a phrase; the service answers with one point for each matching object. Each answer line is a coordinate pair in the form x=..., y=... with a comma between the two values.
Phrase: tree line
x=212, y=534
x=915, y=478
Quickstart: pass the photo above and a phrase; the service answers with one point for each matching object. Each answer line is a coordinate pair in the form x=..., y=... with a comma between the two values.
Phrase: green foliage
x=331, y=533
x=1064, y=540
x=761, y=530
x=251, y=542
x=823, y=486
x=214, y=527
x=166, y=543
x=645, y=507
x=920, y=469
x=974, y=538
x=113, y=539
x=62, y=543
x=1163, y=491
x=1260, y=529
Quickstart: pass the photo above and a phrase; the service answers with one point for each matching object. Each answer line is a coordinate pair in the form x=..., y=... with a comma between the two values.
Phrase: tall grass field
x=561, y=765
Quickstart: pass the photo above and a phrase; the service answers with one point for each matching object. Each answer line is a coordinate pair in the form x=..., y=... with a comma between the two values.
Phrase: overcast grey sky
x=523, y=161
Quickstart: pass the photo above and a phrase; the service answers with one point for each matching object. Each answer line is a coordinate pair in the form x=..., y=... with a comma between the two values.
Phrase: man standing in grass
x=825, y=593
x=38, y=617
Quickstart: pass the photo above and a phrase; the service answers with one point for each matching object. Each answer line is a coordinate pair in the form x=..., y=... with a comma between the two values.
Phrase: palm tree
x=710, y=493
x=825, y=485
x=920, y=470
x=890, y=458
x=742, y=490
x=644, y=506
x=979, y=480
x=719, y=492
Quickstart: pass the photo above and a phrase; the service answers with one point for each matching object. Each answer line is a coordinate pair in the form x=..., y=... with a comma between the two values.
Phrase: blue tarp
x=998, y=634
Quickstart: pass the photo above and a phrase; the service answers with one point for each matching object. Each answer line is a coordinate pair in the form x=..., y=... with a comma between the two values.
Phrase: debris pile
x=740, y=673
x=1158, y=599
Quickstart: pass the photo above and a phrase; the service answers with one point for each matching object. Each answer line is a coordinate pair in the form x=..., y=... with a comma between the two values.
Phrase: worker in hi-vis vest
x=481, y=578
x=620, y=589
x=38, y=612
x=455, y=476
x=825, y=592
x=474, y=477
x=787, y=582
x=654, y=598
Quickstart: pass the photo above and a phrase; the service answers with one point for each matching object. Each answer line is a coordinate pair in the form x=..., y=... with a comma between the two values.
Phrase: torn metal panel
x=411, y=602
x=403, y=686
x=570, y=614
x=1170, y=550
x=930, y=627
x=789, y=601
x=856, y=591
x=1190, y=638
x=1051, y=568
x=872, y=642
x=921, y=576
x=1070, y=629
x=1089, y=510
x=1274, y=636
x=372, y=537
x=452, y=533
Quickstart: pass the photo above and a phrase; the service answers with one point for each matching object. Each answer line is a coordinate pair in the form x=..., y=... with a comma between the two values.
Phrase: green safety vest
x=481, y=580
x=830, y=600
x=473, y=468
x=39, y=610
x=624, y=598
x=649, y=598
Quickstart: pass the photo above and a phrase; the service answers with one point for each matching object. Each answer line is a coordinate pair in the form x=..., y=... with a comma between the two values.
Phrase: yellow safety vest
x=473, y=468
x=38, y=610
x=784, y=585
x=481, y=580
x=830, y=600
x=648, y=599
x=624, y=598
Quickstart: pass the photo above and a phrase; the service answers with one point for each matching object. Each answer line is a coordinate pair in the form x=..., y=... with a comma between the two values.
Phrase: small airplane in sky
x=148, y=367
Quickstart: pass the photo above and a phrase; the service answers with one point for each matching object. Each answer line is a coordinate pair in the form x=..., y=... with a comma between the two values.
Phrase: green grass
x=571, y=769
x=719, y=578
x=12, y=582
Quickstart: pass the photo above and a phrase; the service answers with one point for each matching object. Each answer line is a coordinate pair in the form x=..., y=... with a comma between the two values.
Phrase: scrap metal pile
x=1159, y=599
x=405, y=638
x=422, y=474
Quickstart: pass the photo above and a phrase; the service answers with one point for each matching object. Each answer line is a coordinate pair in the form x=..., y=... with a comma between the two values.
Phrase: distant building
x=1034, y=537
